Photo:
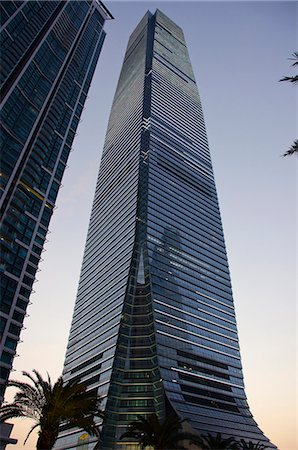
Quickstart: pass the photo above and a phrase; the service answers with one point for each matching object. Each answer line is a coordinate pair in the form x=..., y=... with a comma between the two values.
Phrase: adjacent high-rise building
x=49, y=51
x=154, y=326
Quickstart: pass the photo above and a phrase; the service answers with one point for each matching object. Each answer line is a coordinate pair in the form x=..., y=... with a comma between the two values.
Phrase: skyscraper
x=154, y=326
x=49, y=52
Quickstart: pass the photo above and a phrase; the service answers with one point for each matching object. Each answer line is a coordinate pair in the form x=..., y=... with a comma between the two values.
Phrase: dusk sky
x=239, y=51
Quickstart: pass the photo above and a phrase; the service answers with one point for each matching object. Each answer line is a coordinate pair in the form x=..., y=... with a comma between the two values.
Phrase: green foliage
x=160, y=435
x=52, y=405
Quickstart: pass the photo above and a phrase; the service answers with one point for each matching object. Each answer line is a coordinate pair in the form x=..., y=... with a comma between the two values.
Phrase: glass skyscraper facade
x=49, y=51
x=154, y=326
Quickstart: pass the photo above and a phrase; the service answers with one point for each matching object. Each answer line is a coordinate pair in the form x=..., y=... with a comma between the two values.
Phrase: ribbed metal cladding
x=154, y=326
x=49, y=52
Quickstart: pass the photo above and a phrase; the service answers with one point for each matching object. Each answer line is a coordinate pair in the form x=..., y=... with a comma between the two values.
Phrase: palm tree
x=217, y=442
x=51, y=405
x=250, y=445
x=164, y=434
x=293, y=150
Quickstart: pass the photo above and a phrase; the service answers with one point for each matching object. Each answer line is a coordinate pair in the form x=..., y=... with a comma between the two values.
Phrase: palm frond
x=32, y=429
x=10, y=411
x=210, y=442
x=293, y=79
x=41, y=384
x=295, y=58
x=28, y=398
x=86, y=423
x=293, y=150
x=49, y=381
x=22, y=386
x=150, y=431
x=244, y=445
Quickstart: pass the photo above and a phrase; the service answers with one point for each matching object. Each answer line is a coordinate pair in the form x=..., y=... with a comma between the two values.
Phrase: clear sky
x=239, y=51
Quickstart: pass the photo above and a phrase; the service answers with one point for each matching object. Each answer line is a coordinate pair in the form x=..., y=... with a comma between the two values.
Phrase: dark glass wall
x=197, y=342
x=49, y=51
x=154, y=326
